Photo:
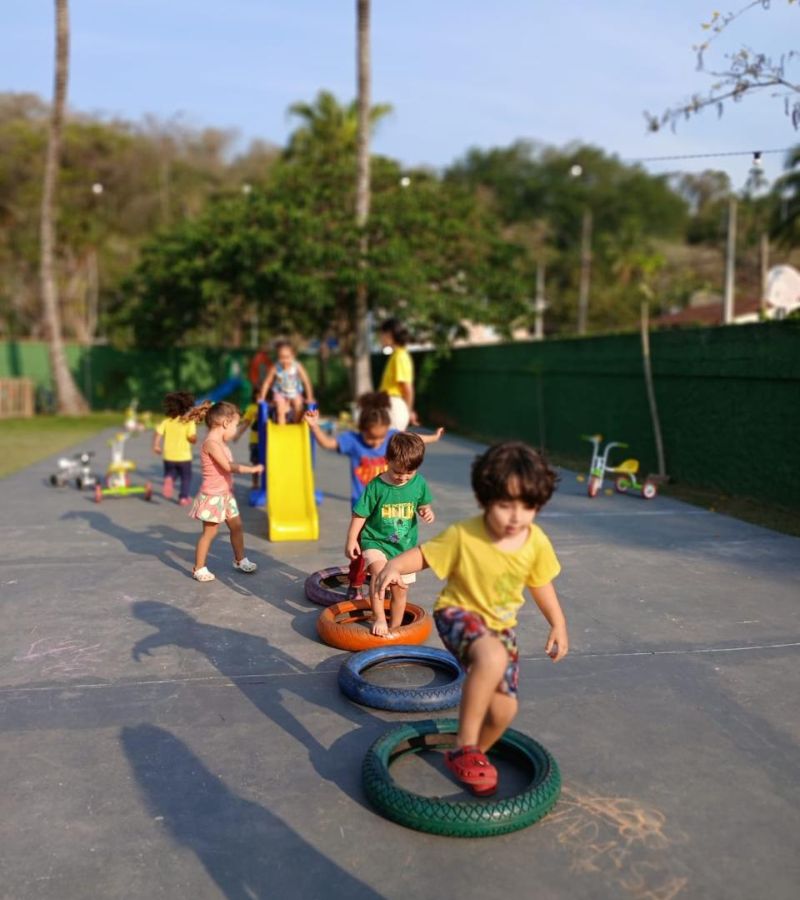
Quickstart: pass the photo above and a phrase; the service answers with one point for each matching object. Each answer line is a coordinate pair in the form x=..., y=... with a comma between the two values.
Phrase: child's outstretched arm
x=308, y=388
x=267, y=384
x=392, y=573
x=326, y=441
x=351, y=547
x=557, y=645
x=156, y=442
x=215, y=452
x=432, y=438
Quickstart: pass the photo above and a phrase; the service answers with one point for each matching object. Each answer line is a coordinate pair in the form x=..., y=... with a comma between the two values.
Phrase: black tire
x=328, y=586
x=478, y=818
x=419, y=699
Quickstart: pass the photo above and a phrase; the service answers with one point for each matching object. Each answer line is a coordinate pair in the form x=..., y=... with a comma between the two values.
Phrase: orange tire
x=346, y=626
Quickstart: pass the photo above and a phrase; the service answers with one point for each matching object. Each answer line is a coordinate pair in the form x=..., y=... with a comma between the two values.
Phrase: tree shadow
x=248, y=851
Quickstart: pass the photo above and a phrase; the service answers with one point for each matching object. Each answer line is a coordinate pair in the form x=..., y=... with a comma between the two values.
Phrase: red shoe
x=473, y=769
x=185, y=501
x=168, y=485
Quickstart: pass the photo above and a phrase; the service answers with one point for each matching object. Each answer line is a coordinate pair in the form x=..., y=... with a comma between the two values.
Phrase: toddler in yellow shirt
x=487, y=561
x=177, y=436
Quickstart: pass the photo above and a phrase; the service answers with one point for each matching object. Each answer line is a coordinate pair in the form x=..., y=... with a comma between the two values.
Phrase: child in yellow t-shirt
x=488, y=561
x=178, y=437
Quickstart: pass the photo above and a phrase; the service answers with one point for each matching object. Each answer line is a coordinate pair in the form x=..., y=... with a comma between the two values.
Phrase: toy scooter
x=78, y=467
x=117, y=475
x=626, y=481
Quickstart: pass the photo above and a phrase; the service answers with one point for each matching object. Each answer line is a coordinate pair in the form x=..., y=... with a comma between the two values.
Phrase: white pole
x=538, y=332
x=730, y=266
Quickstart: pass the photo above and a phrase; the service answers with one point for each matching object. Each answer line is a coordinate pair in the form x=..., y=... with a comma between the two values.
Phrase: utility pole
x=728, y=303
x=586, y=270
x=539, y=304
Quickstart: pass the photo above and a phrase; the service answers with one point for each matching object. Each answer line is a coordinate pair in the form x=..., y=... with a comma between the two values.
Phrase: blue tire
x=419, y=699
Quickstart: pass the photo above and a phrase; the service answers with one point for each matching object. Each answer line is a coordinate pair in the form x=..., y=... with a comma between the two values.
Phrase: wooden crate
x=16, y=398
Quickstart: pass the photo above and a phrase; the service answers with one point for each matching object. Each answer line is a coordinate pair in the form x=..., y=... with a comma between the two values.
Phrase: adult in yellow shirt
x=398, y=376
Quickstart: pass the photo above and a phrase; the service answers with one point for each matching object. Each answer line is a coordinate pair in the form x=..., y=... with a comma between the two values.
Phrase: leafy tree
x=532, y=185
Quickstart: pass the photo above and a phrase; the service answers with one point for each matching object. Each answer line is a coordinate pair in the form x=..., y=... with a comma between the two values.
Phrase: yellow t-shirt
x=399, y=368
x=176, y=436
x=251, y=415
x=483, y=579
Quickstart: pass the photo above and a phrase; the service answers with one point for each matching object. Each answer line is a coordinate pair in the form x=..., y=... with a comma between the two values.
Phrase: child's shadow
x=246, y=849
x=157, y=540
x=265, y=674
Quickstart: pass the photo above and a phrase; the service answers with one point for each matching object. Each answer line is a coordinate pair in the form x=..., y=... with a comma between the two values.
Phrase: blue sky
x=459, y=73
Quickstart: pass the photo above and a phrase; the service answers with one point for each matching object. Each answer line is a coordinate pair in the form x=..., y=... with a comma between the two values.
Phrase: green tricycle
x=626, y=481
x=118, y=483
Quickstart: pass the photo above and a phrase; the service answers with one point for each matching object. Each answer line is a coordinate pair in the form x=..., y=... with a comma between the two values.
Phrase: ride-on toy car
x=78, y=467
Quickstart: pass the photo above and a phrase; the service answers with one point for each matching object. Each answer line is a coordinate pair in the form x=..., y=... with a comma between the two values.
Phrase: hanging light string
x=752, y=153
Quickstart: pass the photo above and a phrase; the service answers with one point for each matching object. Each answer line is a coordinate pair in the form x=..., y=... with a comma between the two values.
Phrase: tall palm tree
x=362, y=376
x=328, y=128
x=69, y=399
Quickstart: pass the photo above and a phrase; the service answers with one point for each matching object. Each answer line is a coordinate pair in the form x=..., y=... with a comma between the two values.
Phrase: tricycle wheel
x=148, y=491
x=649, y=490
x=98, y=493
x=621, y=484
x=593, y=488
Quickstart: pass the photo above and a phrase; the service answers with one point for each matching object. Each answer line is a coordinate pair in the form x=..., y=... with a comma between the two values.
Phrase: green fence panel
x=728, y=398
x=110, y=378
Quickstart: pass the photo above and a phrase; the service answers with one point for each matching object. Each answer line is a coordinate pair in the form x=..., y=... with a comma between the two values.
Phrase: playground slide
x=291, y=504
x=221, y=391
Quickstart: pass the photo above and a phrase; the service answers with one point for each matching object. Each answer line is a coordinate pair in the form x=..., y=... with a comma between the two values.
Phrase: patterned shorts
x=458, y=628
x=214, y=508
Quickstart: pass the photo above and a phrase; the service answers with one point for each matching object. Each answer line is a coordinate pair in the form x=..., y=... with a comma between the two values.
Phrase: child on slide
x=487, y=561
x=384, y=524
x=289, y=382
x=215, y=502
x=177, y=436
x=366, y=452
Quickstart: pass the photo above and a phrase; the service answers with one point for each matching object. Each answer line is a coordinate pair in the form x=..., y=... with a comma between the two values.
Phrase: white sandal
x=244, y=565
x=202, y=574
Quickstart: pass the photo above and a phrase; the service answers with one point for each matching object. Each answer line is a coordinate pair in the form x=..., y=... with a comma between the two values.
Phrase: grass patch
x=26, y=441
x=749, y=509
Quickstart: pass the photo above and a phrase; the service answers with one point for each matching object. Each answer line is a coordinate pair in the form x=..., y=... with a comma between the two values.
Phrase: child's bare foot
x=380, y=629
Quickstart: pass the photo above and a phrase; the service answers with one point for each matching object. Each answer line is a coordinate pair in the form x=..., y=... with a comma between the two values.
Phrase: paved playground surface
x=164, y=738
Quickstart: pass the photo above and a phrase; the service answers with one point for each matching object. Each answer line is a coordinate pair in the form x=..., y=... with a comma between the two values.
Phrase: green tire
x=478, y=818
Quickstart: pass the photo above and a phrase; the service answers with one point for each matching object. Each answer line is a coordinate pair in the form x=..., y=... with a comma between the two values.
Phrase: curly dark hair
x=513, y=471
x=374, y=410
x=177, y=404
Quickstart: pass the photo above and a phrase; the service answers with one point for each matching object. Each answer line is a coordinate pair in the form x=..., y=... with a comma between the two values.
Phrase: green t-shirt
x=391, y=514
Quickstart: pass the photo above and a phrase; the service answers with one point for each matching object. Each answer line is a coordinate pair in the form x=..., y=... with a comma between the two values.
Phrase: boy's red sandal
x=473, y=769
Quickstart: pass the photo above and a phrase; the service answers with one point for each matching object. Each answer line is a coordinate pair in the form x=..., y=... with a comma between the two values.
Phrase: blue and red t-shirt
x=366, y=462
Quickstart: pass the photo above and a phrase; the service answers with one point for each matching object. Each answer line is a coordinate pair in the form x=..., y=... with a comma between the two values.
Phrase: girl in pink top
x=215, y=502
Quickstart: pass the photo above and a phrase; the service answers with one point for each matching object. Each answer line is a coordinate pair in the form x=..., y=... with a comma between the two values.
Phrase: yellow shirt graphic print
x=397, y=511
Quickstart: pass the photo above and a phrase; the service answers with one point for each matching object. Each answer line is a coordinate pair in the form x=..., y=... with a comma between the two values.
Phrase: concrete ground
x=166, y=738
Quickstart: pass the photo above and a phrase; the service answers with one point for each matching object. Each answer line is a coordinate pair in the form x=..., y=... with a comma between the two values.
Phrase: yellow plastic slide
x=291, y=504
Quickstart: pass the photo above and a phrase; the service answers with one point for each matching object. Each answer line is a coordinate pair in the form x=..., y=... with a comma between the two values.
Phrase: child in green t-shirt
x=487, y=561
x=384, y=522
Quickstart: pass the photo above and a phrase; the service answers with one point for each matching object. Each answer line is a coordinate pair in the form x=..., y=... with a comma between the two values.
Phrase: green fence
x=729, y=401
x=110, y=378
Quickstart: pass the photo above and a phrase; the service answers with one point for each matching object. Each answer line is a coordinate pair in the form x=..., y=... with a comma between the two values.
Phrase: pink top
x=215, y=479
